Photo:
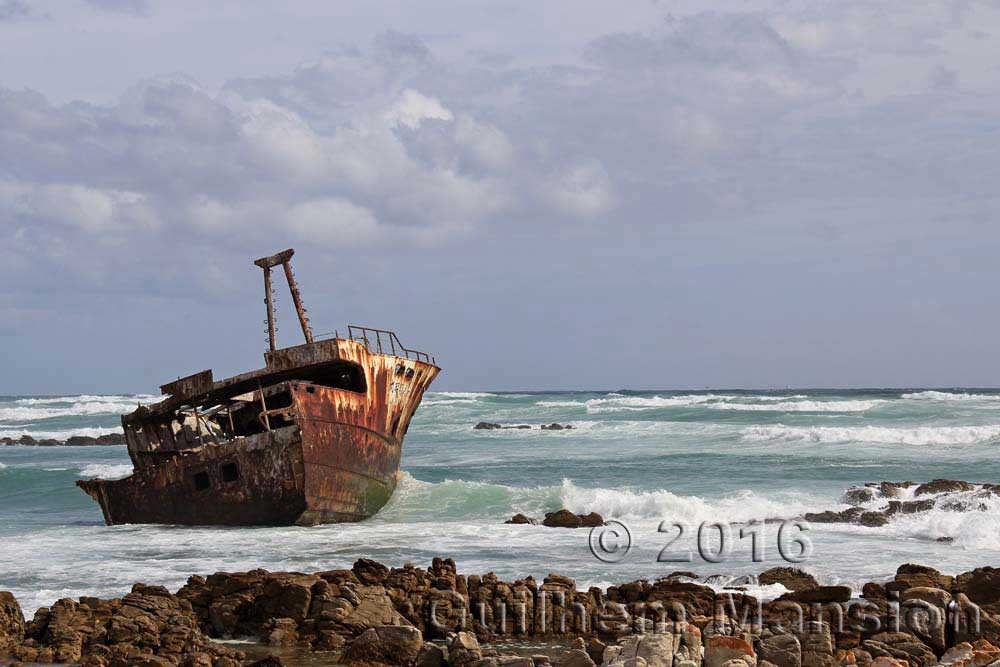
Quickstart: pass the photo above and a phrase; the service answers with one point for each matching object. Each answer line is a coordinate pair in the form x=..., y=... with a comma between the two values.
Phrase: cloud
x=133, y=7
x=412, y=108
x=709, y=120
x=15, y=10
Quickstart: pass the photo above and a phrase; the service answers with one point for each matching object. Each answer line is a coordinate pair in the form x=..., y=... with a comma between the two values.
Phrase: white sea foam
x=662, y=504
x=615, y=402
x=106, y=470
x=917, y=435
x=58, y=435
x=949, y=396
x=801, y=406
x=89, y=398
x=2, y=466
x=620, y=403
x=80, y=409
x=454, y=397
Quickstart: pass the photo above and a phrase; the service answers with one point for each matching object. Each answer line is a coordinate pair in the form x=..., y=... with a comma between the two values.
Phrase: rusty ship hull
x=314, y=437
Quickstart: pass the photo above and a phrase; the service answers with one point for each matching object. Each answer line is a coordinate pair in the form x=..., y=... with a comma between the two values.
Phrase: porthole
x=202, y=482
x=230, y=472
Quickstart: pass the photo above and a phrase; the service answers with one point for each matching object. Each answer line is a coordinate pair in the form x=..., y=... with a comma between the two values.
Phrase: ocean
x=647, y=459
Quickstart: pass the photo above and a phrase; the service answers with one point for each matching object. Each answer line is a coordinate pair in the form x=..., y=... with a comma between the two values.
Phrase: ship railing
x=379, y=341
x=383, y=341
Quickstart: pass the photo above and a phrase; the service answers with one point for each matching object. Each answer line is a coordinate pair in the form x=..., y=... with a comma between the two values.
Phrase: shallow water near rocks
x=639, y=457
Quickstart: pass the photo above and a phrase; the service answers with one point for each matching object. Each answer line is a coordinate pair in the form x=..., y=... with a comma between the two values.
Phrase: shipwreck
x=313, y=437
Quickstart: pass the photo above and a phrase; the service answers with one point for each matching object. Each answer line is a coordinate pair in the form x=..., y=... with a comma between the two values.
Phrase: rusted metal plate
x=198, y=383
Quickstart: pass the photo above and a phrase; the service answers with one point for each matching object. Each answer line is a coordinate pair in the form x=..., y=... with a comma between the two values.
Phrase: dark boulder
x=820, y=594
x=520, y=519
x=385, y=645
x=562, y=519
x=791, y=578
x=943, y=486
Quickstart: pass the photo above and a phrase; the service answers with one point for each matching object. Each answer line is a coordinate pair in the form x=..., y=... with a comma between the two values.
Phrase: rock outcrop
x=72, y=441
x=376, y=615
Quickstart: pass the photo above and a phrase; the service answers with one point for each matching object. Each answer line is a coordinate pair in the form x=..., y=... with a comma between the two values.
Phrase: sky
x=558, y=195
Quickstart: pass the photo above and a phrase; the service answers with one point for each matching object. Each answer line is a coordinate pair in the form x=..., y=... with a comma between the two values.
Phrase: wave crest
x=919, y=435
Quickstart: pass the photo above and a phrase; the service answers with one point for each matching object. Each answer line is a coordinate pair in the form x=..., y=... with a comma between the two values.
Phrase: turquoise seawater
x=639, y=457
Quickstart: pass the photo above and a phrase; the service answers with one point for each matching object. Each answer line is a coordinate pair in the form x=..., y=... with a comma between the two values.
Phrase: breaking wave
x=454, y=397
x=106, y=470
x=919, y=435
x=89, y=398
x=740, y=506
x=757, y=403
x=801, y=406
x=75, y=410
x=949, y=396
x=497, y=502
x=620, y=403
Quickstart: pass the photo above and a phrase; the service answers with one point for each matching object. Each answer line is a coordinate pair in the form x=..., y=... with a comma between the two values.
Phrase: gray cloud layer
x=800, y=144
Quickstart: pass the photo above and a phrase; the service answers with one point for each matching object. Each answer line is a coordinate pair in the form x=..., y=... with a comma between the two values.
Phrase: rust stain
x=314, y=437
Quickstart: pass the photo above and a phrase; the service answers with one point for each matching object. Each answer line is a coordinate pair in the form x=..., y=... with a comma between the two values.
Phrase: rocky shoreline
x=374, y=615
x=72, y=441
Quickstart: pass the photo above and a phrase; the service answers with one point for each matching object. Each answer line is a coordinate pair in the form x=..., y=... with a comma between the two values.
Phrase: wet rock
x=820, y=594
x=486, y=426
x=781, y=650
x=389, y=645
x=859, y=495
x=791, y=578
x=464, y=650
x=269, y=661
x=909, y=506
x=556, y=427
x=369, y=572
x=851, y=515
x=595, y=649
x=281, y=632
x=894, y=489
x=566, y=519
x=910, y=575
x=562, y=519
x=12, y=626
x=148, y=626
x=520, y=519
x=943, y=486
x=873, y=519
x=430, y=655
x=981, y=586
x=111, y=439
